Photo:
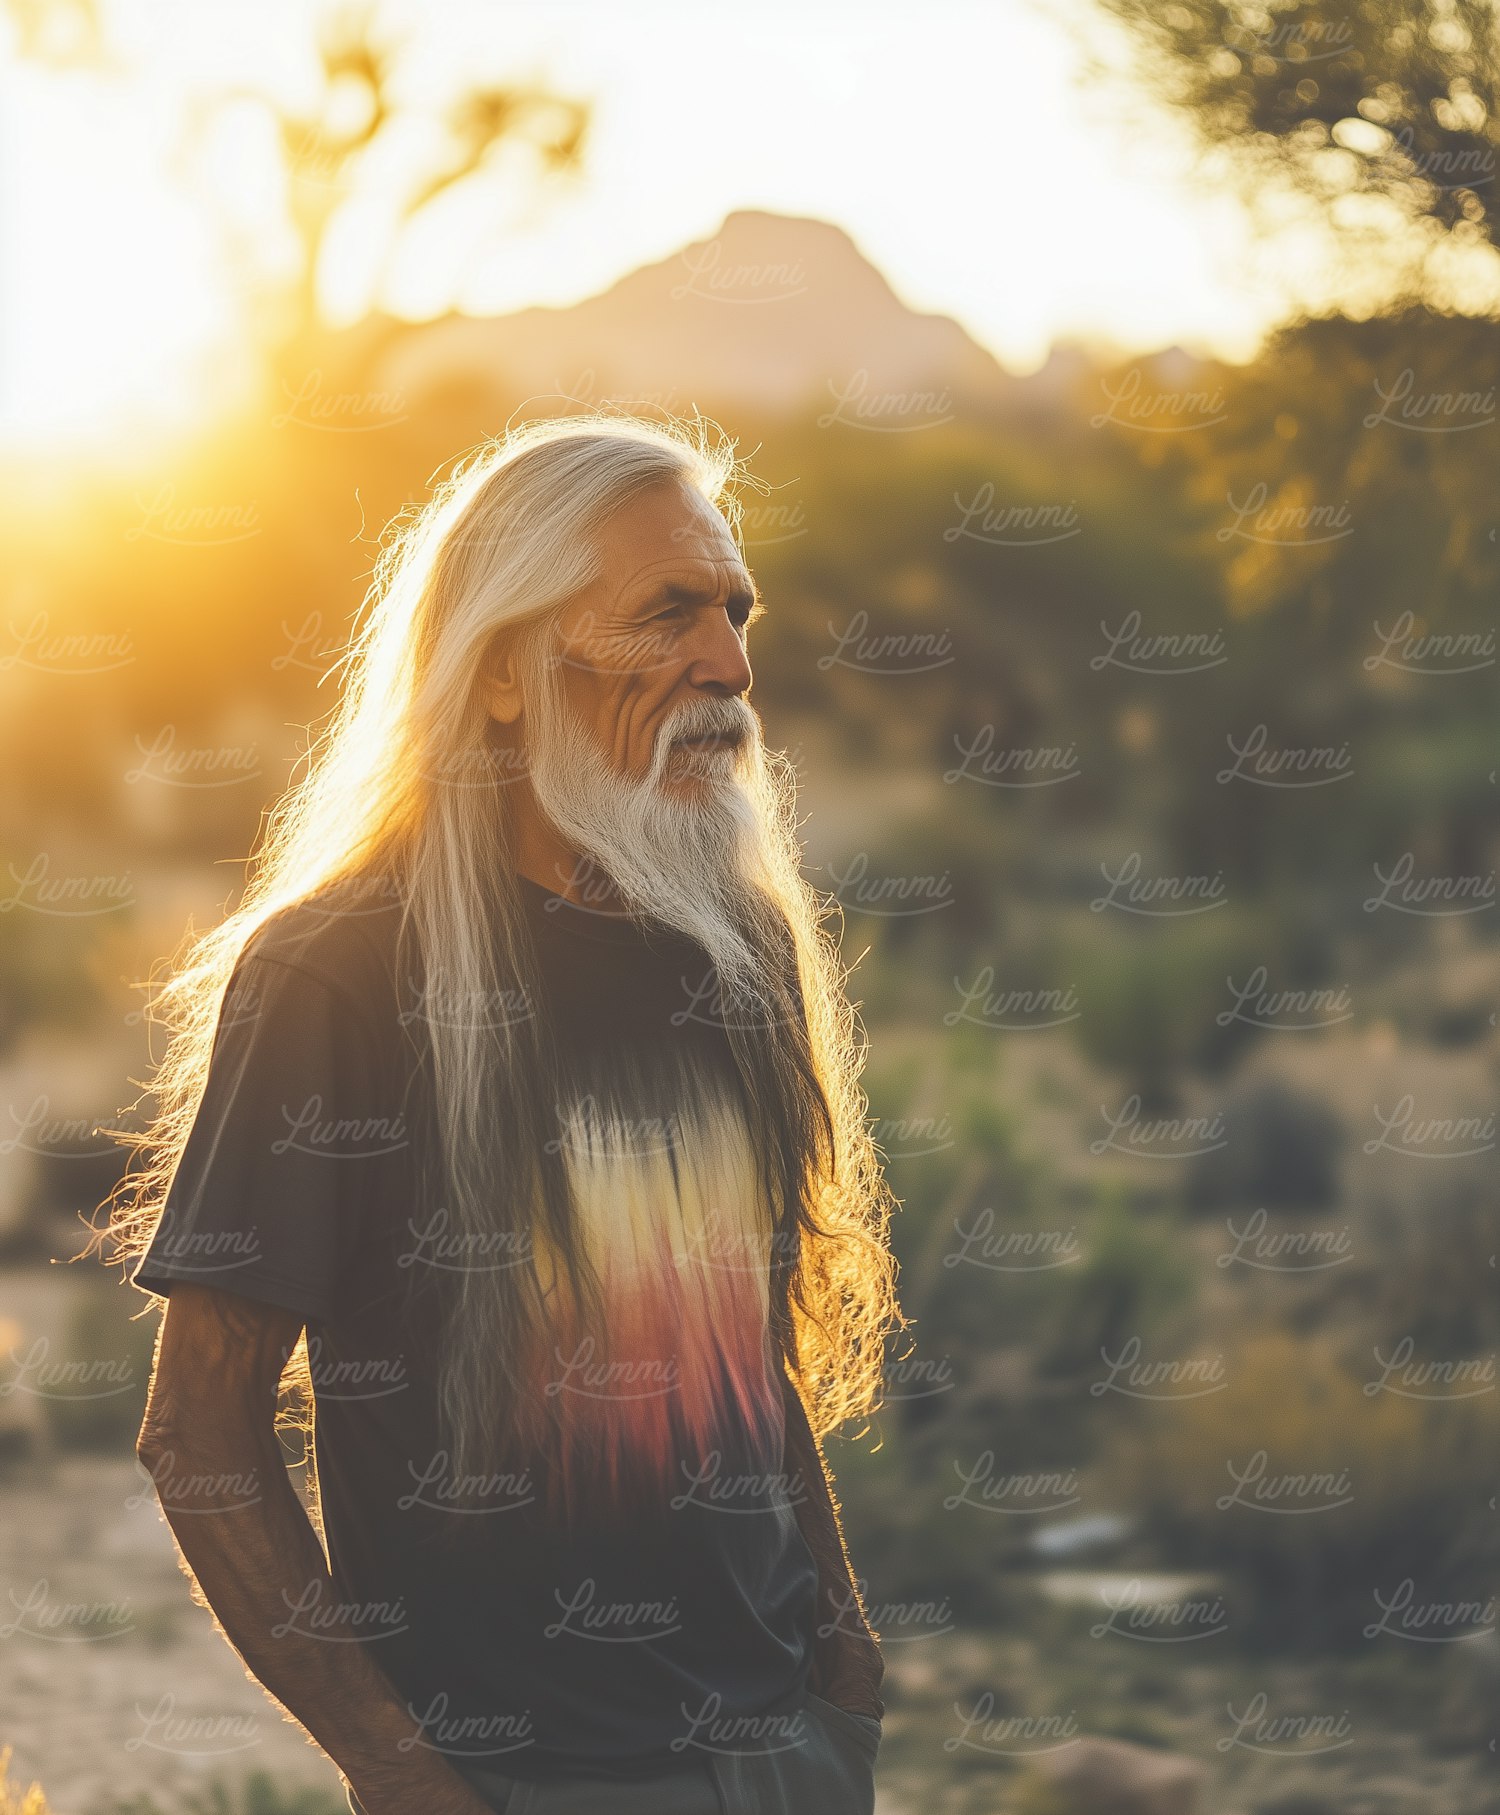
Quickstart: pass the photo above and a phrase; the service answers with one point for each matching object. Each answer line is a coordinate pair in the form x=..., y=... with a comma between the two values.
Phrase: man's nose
x=717, y=661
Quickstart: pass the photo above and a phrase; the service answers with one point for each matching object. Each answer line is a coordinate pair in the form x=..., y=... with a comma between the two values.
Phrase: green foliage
x=1433, y=1252
x=908, y=1549
x=1392, y=100
x=1135, y=1271
x=1150, y=995
x=100, y=1398
x=259, y=1794
x=1380, y=1488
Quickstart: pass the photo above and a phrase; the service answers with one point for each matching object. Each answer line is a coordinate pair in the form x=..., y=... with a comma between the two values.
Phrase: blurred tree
x=1381, y=118
x=64, y=34
x=362, y=140
x=323, y=167
x=1383, y=102
x=363, y=137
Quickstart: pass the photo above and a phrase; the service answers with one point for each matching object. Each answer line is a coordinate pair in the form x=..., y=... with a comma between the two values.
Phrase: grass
x=14, y=1801
x=257, y=1794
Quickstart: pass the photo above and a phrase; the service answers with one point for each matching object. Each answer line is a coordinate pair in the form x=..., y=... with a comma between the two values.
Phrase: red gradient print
x=672, y=1217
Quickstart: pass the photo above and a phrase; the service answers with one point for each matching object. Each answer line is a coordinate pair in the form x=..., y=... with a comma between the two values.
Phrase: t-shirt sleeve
x=266, y=1198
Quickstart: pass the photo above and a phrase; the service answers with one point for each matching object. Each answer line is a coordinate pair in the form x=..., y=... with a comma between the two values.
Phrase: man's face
x=665, y=623
x=646, y=762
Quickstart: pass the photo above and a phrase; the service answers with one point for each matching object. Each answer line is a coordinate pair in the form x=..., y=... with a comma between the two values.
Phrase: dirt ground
x=112, y=1682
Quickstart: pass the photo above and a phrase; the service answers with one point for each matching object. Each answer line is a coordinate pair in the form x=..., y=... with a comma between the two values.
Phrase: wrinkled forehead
x=705, y=533
x=655, y=530
x=707, y=570
x=702, y=535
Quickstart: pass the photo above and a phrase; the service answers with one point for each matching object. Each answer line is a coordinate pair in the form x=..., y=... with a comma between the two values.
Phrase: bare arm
x=209, y=1443
x=847, y=1664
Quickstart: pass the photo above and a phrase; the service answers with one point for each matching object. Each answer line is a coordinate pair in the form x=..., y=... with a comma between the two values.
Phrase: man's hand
x=209, y=1443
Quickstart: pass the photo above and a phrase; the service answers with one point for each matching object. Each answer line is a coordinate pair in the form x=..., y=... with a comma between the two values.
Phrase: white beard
x=692, y=862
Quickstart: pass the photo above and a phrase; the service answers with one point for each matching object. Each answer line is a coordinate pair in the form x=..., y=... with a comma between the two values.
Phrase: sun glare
x=108, y=312
x=133, y=271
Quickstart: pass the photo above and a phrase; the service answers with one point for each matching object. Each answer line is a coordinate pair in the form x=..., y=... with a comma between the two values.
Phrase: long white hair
x=402, y=789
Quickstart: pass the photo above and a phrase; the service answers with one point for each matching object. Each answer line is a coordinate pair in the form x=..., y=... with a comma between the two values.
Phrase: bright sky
x=953, y=139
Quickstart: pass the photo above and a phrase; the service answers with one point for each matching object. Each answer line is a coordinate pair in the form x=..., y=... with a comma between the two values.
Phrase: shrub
x=1282, y=1152
x=1150, y=997
x=1135, y=1271
x=1401, y=1489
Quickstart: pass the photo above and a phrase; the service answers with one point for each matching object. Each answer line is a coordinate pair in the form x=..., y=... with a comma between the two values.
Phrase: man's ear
x=499, y=685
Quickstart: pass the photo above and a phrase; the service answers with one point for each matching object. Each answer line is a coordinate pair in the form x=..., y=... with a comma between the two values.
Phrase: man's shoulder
x=345, y=934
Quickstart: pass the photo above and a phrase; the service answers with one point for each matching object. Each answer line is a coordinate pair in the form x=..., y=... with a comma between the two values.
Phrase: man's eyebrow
x=676, y=593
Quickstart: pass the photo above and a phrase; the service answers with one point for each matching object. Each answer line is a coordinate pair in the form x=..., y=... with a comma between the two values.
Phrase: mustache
x=730, y=720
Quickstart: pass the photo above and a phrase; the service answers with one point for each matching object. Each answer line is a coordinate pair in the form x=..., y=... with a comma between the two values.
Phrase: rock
x=1112, y=1777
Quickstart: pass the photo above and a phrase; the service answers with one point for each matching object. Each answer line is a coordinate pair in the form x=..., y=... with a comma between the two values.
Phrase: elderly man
x=516, y=1108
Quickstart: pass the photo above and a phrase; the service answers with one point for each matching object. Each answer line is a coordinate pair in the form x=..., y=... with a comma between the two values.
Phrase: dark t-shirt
x=532, y=1646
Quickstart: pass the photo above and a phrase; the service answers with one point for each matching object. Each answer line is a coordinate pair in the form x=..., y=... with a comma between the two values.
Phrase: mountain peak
x=771, y=312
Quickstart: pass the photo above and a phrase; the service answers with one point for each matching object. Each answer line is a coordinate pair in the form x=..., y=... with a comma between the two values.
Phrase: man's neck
x=545, y=858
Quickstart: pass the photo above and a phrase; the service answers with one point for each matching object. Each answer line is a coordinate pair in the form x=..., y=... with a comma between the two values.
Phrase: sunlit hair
x=389, y=800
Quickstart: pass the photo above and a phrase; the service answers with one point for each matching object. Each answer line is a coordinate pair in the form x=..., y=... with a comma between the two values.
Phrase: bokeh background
x=1122, y=381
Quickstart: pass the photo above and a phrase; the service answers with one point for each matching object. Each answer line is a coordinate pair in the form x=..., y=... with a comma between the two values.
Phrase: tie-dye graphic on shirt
x=671, y=1214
